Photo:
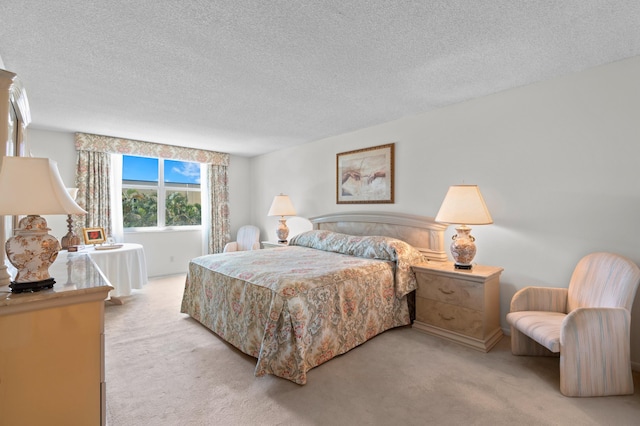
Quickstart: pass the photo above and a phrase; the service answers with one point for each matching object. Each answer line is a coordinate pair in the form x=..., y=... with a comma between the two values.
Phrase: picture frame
x=93, y=235
x=366, y=176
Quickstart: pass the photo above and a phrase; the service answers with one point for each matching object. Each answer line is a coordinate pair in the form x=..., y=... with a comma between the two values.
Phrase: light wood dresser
x=52, y=348
x=459, y=305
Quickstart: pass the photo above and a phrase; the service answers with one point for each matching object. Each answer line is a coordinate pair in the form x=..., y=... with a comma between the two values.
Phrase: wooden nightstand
x=459, y=305
x=272, y=244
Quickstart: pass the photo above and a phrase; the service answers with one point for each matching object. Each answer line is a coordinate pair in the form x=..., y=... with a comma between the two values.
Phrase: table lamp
x=282, y=206
x=33, y=186
x=463, y=205
x=71, y=238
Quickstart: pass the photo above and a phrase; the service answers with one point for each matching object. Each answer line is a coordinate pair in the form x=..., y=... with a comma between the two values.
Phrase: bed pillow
x=372, y=247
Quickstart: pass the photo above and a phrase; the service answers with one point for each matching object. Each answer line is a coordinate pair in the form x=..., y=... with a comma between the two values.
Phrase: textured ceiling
x=249, y=76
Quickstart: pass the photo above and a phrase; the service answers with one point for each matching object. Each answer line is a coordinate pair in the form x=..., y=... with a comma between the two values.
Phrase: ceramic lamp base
x=463, y=248
x=70, y=239
x=283, y=231
x=31, y=251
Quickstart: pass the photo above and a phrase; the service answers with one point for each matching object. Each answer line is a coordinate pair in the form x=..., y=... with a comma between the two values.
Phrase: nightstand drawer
x=449, y=290
x=450, y=317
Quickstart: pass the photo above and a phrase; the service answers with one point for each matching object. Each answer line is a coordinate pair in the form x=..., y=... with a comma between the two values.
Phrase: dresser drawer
x=450, y=317
x=450, y=290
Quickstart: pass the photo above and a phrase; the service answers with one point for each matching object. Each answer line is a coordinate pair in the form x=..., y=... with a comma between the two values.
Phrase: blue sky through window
x=181, y=172
x=146, y=170
x=139, y=168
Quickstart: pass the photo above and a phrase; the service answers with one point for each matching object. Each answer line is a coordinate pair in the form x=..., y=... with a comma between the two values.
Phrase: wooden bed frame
x=423, y=233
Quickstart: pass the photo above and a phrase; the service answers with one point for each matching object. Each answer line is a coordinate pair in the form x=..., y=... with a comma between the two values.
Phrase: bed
x=333, y=288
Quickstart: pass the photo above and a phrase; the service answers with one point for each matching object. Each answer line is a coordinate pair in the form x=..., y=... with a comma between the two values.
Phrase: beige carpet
x=163, y=368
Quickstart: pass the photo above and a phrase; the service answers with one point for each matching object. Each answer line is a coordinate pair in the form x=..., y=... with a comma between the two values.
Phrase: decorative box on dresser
x=459, y=305
x=52, y=348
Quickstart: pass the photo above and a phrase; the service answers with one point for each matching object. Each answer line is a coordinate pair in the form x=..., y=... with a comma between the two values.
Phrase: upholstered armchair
x=587, y=324
x=248, y=238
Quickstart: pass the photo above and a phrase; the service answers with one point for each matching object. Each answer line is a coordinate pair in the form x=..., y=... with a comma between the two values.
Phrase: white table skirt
x=124, y=267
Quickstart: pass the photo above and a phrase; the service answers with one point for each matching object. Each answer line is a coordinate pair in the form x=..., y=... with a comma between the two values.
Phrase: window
x=160, y=193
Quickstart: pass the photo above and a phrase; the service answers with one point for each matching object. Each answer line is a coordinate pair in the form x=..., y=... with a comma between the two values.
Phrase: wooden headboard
x=421, y=232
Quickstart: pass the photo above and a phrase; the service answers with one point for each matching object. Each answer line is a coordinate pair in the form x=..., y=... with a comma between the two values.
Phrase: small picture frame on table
x=93, y=235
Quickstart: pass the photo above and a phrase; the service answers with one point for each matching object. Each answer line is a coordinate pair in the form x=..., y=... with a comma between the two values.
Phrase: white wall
x=557, y=163
x=240, y=193
x=59, y=147
x=166, y=252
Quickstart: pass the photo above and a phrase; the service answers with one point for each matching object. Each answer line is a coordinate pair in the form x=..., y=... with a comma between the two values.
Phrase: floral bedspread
x=295, y=307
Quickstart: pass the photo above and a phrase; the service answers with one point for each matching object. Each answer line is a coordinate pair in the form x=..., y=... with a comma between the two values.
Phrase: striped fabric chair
x=587, y=324
x=248, y=238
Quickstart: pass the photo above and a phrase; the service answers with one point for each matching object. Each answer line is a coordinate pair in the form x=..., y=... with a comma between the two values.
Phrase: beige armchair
x=587, y=324
x=248, y=238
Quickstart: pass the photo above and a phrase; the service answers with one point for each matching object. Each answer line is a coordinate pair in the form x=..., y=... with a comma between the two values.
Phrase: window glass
x=158, y=192
x=182, y=208
x=141, y=169
x=139, y=207
x=181, y=172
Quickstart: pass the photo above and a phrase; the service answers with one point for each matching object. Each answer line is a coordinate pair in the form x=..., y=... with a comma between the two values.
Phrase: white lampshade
x=281, y=206
x=464, y=204
x=73, y=192
x=33, y=186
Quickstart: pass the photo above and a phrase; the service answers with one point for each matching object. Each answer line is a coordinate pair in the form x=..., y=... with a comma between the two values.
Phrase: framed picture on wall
x=93, y=235
x=365, y=176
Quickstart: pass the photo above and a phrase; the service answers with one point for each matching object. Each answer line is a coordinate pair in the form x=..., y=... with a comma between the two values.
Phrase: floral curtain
x=219, y=232
x=219, y=202
x=94, y=190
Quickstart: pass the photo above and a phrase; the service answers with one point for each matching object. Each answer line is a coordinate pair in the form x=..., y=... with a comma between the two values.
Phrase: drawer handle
x=446, y=318
x=445, y=291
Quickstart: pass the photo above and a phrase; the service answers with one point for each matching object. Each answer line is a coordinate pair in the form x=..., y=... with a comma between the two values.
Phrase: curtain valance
x=111, y=145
